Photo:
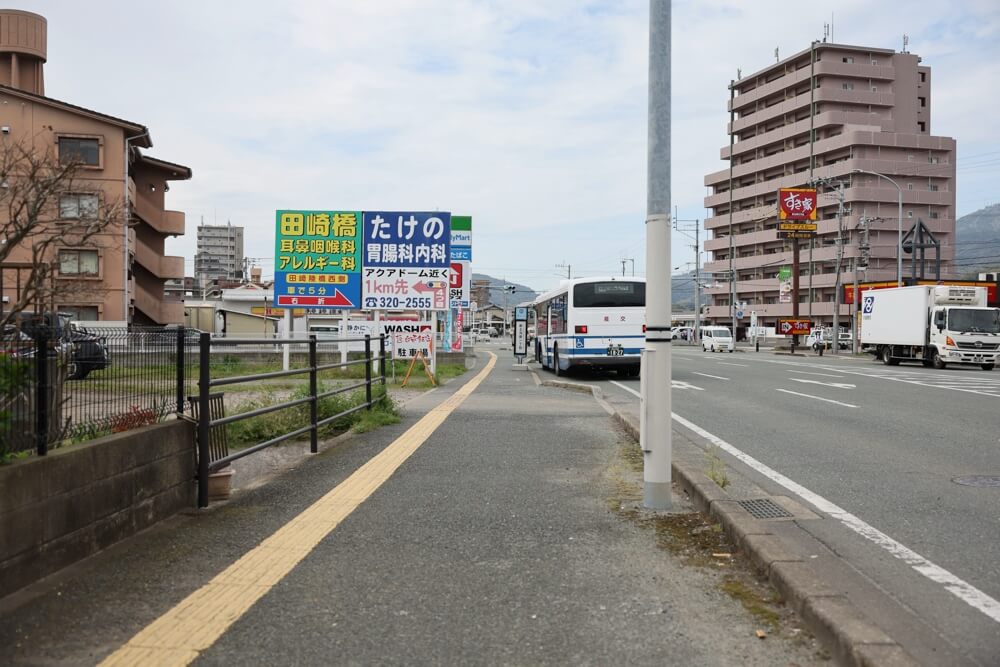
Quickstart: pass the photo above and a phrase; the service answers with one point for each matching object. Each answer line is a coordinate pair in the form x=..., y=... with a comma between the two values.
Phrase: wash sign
x=406, y=260
x=317, y=259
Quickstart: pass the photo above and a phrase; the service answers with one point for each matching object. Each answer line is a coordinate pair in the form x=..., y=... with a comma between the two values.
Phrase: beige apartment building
x=871, y=111
x=119, y=274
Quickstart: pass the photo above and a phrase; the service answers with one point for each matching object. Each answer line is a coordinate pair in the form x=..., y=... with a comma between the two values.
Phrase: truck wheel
x=987, y=367
x=887, y=355
x=938, y=362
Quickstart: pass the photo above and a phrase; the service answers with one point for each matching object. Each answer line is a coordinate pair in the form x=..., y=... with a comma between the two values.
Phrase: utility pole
x=732, y=145
x=655, y=417
x=835, y=343
x=627, y=259
x=569, y=270
x=697, y=268
x=840, y=256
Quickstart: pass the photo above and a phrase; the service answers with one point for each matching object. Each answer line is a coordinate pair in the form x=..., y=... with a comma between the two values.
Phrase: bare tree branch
x=33, y=227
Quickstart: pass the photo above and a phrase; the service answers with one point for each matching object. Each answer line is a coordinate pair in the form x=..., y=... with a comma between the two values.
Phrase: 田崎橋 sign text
x=317, y=259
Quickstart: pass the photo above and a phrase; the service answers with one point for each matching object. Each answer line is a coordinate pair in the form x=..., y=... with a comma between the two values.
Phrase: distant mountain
x=682, y=291
x=520, y=294
x=977, y=248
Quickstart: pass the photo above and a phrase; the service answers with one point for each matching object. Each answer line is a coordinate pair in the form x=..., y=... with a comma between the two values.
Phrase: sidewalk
x=510, y=535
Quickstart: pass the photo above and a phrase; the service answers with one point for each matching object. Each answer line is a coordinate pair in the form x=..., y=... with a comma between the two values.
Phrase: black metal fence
x=61, y=384
x=213, y=452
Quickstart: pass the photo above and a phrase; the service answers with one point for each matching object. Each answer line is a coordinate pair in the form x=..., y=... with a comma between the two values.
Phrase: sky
x=529, y=116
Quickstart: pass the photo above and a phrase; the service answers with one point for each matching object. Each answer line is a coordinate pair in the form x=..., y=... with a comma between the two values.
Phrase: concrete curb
x=851, y=638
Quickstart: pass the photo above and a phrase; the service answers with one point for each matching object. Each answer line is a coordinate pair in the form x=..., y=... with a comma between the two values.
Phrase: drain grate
x=978, y=480
x=764, y=508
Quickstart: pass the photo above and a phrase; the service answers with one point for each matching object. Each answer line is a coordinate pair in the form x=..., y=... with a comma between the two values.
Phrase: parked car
x=681, y=333
x=83, y=350
x=822, y=337
x=90, y=352
x=717, y=339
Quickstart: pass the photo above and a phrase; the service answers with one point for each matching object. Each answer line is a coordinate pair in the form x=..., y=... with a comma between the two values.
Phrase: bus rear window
x=617, y=294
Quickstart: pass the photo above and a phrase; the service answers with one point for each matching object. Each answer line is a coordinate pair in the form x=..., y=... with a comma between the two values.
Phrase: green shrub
x=255, y=430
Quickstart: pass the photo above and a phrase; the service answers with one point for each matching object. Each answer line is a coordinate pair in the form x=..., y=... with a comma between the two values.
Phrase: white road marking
x=826, y=400
x=628, y=389
x=951, y=583
x=726, y=363
x=677, y=384
x=717, y=377
x=828, y=375
x=838, y=385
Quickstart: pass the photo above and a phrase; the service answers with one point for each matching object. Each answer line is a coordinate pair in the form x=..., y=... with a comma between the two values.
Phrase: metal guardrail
x=207, y=421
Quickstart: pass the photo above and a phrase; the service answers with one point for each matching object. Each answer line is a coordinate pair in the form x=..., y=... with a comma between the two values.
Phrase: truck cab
x=965, y=335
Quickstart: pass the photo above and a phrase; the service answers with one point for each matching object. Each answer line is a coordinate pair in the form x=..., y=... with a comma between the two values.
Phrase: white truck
x=933, y=324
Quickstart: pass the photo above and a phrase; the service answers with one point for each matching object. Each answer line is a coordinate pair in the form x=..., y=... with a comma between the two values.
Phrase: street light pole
x=899, y=222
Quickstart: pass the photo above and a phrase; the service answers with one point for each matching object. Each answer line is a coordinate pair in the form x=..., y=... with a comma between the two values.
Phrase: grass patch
x=382, y=414
x=716, y=467
x=757, y=600
x=254, y=430
x=418, y=378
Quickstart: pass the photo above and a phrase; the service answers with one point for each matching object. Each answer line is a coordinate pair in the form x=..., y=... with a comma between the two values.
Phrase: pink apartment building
x=123, y=270
x=871, y=111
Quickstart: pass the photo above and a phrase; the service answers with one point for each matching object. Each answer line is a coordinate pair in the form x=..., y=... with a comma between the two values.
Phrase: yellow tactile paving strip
x=197, y=622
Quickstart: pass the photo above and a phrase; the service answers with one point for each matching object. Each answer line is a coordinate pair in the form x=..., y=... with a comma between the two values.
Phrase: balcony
x=159, y=265
x=165, y=222
x=158, y=308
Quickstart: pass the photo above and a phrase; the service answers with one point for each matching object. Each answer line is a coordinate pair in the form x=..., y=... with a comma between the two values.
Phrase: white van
x=717, y=339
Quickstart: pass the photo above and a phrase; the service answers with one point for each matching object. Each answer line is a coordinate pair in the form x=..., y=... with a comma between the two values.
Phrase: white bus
x=595, y=322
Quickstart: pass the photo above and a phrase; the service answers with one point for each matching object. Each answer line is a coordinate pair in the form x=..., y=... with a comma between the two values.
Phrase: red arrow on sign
x=422, y=288
x=339, y=299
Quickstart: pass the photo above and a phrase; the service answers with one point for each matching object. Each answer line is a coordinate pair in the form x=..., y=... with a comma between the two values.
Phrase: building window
x=874, y=62
x=79, y=149
x=923, y=101
x=922, y=125
x=848, y=59
x=874, y=89
x=923, y=77
x=934, y=215
x=78, y=207
x=81, y=313
x=848, y=86
x=932, y=159
x=932, y=187
x=909, y=214
x=909, y=186
x=78, y=263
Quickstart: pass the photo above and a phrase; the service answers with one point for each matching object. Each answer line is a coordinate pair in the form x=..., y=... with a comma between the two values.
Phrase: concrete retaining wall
x=61, y=508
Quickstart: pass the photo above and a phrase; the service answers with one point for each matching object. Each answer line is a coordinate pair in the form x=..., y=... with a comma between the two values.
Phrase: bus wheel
x=555, y=361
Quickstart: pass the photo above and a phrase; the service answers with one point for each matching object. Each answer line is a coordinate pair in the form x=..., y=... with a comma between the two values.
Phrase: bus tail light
x=581, y=328
x=643, y=328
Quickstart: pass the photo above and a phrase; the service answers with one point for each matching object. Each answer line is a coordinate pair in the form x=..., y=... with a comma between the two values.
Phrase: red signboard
x=797, y=204
x=787, y=327
x=992, y=293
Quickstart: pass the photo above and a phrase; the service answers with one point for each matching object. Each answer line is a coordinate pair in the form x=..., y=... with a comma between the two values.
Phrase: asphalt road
x=883, y=446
